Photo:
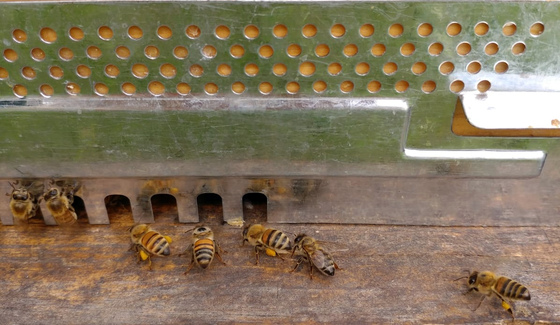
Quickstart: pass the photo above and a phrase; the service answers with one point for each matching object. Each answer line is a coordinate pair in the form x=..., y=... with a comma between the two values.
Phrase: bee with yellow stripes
x=272, y=241
x=147, y=242
x=204, y=248
x=488, y=283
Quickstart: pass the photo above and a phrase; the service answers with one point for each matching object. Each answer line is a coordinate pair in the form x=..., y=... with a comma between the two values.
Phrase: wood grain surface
x=84, y=274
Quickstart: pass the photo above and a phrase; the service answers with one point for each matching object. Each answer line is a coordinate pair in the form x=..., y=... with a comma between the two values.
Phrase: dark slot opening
x=255, y=208
x=210, y=208
x=118, y=208
x=164, y=207
x=80, y=208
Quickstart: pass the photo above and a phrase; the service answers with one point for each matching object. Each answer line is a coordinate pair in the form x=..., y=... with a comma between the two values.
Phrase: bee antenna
x=191, y=229
x=291, y=233
x=464, y=277
x=12, y=185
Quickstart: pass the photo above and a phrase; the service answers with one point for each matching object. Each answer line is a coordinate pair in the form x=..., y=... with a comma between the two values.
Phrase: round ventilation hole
x=192, y=31
x=280, y=31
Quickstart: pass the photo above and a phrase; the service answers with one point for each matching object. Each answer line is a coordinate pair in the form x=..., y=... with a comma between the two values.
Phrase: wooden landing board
x=391, y=274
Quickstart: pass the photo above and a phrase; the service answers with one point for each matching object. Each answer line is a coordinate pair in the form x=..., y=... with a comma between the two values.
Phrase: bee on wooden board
x=59, y=203
x=307, y=249
x=204, y=248
x=147, y=242
x=23, y=203
x=488, y=283
x=272, y=241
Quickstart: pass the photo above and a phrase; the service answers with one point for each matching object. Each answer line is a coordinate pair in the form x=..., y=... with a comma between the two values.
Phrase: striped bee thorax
x=277, y=240
x=203, y=251
x=155, y=243
x=512, y=289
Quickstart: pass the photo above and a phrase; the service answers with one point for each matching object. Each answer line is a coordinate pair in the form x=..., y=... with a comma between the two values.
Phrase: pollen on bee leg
x=270, y=252
x=506, y=306
x=168, y=239
x=143, y=255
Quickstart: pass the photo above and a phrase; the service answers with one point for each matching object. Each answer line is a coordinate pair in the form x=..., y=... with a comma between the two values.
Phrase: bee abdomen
x=67, y=217
x=204, y=252
x=276, y=239
x=155, y=243
x=328, y=269
x=512, y=289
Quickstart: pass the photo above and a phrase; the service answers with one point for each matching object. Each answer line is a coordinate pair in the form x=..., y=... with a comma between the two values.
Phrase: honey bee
x=23, y=203
x=272, y=241
x=204, y=248
x=59, y=202
x=147, y=242
x=487, y=282
x=308, y=250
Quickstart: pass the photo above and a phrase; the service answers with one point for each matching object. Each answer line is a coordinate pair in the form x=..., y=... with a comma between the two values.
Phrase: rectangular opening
x=463, y=127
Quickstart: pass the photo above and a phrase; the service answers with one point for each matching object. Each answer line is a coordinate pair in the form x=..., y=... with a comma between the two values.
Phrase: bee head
x=299, y=238
x=51, y=193
x=20, y=195
x=203, y=231
x=472, y=278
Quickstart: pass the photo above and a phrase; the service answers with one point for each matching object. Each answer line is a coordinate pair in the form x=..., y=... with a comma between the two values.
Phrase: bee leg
x=310, y=269
x=185, y=251
x=219, y=256
x=256, y=256
x=479, y=303
x=149, y=263
x=219, y=248
x=300, y=260
x=192, y=258
x=144, y=255
x=189, y=268
x=336, y=266
x=507, y=307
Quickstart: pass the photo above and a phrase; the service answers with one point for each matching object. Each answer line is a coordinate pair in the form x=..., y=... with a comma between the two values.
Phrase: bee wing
x=36, y=188
x=319, y=258
x=332, y=247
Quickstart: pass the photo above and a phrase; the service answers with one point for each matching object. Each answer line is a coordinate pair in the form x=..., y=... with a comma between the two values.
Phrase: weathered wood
x=391, y=274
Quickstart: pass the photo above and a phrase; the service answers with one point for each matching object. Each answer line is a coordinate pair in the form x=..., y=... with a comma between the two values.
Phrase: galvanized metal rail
x=328, y=101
